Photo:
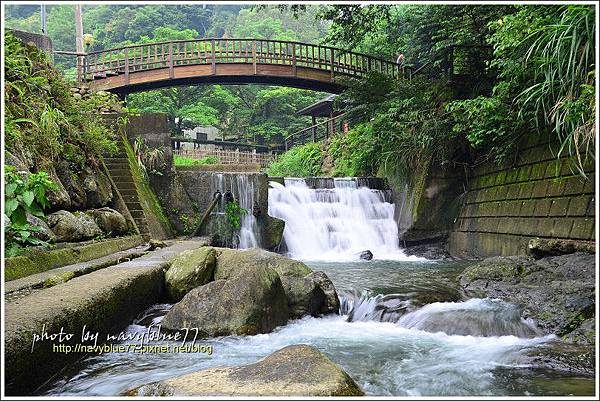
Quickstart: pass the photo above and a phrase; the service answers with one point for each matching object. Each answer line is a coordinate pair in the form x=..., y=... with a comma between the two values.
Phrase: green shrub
x=44, y=118
x=354, y=153
x=186, y=161
x=301, y=161
x=234, y=213
x=23, y=196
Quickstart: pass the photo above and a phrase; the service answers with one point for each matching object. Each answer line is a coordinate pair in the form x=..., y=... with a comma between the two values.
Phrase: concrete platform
x=103, y=301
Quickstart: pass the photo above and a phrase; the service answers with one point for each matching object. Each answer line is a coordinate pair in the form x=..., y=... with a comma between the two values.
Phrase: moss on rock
x=189, y=270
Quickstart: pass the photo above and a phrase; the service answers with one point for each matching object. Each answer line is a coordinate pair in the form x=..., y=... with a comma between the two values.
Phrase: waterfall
x=337, y=222
x=242, y=188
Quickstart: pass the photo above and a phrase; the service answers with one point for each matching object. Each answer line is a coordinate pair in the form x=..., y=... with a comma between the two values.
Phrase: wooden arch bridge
x=228, y=61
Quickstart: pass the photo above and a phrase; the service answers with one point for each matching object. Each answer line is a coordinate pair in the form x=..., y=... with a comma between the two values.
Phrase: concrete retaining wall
x=39, y=40
x=539, y=196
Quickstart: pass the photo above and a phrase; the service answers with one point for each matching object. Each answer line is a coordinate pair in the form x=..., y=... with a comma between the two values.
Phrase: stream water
x=385, y=339
x=404, y=328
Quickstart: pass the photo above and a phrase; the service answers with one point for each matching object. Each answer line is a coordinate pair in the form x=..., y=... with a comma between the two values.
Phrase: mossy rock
x=252, y=302
x=189, y=270
x=296, y=370
x=307, y=295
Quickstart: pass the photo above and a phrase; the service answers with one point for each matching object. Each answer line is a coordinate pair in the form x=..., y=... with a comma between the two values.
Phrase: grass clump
x=186, y=161
x=301, y=161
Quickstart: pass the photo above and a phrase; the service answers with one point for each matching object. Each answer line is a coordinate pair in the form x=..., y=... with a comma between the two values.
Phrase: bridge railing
x=130, y=59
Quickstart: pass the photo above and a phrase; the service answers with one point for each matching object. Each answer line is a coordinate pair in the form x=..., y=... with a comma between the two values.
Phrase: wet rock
x=252, y=302
x=332, y=301
x=109, y=221
x=366, y=255
x=571, y=359
x=189, y=270
x=272, y=235
x=72, y=227
x=432, y=251
x=296, y=370
x=305, y=296
x=539, y=247
x=558, y=292
x=43, y=231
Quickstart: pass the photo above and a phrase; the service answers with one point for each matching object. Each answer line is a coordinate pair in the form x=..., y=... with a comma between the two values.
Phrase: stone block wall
x=538, y=196
x=39, y=40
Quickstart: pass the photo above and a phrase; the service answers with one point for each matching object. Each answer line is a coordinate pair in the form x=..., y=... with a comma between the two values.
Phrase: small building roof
x=322, y=108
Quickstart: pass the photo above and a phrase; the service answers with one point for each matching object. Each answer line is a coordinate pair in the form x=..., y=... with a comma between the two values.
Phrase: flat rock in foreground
x=296, y=370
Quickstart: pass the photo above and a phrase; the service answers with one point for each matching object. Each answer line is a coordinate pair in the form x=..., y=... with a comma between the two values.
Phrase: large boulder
x=42, y=232
x=296, y=370
x=109, y=221
x=58, y=197
x=97, y=188
x=189, y=270
x=72, y=227
x=72, y=184
x=305, y=296
x=252, y=302
x=558, y=292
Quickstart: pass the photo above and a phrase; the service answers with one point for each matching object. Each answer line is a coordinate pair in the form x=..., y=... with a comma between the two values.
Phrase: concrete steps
x=118, y=166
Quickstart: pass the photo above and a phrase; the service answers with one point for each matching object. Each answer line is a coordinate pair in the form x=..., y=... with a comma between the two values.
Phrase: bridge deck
x=235, y=61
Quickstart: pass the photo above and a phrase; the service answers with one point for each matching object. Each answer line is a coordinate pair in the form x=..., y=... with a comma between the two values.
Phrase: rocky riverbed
x=556, y=292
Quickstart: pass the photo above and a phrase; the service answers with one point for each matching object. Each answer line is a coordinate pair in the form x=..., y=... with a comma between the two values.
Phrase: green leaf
x=28, y=197
x=10, y=206
x=9, y=190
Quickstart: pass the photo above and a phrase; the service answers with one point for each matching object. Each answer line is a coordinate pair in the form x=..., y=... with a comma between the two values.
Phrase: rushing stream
x=450, y=346
x=404, y=328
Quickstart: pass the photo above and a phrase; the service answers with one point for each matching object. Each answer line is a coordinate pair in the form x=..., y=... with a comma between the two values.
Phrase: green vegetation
x=301, y=161
x=150, y=160
x=528, y=69
x=241, y=112
x=234, y=213
x=23, y=196
x=42, y=116
x=489, y=76
x=186, y=161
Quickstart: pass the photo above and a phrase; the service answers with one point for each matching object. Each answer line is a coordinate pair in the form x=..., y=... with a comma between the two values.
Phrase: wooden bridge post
x=213, y=65
x=332, y=61
x=294, y=69
x=126, y=53
x=254, y=56
x=171, y=72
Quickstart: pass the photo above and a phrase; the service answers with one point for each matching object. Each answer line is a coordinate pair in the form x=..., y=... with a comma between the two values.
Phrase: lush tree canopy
x=489, y=74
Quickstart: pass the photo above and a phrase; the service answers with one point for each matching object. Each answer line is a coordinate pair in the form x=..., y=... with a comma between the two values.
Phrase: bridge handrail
x=237, y=39
x=148, y=56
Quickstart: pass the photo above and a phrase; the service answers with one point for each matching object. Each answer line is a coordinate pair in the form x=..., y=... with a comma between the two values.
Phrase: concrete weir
x=103, y=302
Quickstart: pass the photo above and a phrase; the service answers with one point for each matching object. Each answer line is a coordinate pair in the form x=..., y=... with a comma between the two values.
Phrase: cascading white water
x=335, y=223
x=249, y=227
x=242, y=188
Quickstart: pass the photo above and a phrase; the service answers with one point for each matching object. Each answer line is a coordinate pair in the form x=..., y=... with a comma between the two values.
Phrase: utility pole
x=79, y=41
x=43, y=18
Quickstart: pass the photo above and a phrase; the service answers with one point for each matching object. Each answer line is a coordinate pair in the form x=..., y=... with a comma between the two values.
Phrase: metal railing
x=135, y=58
